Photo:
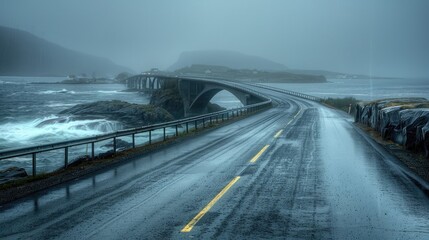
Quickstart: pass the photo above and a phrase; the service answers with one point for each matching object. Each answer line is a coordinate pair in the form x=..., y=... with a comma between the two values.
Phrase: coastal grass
x=343, y=104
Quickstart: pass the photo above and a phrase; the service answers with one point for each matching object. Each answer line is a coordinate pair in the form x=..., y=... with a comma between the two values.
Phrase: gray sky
x=383, y=37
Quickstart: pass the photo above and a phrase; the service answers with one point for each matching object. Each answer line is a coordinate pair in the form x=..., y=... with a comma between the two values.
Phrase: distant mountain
x=234, y=60
x=24, y=54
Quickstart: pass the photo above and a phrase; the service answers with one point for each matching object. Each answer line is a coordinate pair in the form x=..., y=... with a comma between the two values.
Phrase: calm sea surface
x=363, y=89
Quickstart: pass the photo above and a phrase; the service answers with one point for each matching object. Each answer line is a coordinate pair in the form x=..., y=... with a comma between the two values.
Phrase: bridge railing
x=239, y=85
x=188, y=123
x=218, y=80
x=296, y=94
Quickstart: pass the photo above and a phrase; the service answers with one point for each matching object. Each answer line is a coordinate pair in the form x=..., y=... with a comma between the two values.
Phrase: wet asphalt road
x=296, y=171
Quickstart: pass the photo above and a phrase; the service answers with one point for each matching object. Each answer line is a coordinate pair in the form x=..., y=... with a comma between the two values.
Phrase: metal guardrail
x=217, y=80
x=202, y=119
x=296, y=94
x=230, y=82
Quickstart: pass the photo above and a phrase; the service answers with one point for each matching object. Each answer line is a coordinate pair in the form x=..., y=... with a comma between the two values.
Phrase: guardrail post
x=177, y=131
x=134, y=140
x=204, y=123
x=114, y=145
x=164, y=132
x=195, y=123
x=187, y=127
x=210, y=120
x=66, y=157
x=150, y=137
x=34, y=163
x=92, y=150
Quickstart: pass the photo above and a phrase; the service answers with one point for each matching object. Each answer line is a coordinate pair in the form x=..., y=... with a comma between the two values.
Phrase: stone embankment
x=404, y=121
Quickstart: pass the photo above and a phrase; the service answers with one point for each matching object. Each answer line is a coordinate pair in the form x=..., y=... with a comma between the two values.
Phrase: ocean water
x=26, y=107
x=362, y=89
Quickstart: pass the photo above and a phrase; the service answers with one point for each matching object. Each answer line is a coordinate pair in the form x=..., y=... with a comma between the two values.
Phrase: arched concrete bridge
x=196, y=93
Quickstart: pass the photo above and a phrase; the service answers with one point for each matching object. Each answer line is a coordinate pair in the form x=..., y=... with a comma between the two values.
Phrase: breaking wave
x=51, y=129
x=58, y=91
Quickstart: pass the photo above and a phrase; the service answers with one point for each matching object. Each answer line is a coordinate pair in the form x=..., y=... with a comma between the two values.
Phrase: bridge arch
x=201, y=101
x=195, y=93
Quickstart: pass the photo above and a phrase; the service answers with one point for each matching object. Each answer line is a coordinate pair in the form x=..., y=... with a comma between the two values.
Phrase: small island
x=84, y=79
x=250, y=75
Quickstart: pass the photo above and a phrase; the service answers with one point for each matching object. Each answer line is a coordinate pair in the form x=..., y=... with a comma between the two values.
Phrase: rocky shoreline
x=165, y=105
x=130, y=115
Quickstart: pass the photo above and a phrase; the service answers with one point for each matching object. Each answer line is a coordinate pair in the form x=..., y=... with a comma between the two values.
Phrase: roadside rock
x=404, y=121
x=12, y=173
x=129, y=114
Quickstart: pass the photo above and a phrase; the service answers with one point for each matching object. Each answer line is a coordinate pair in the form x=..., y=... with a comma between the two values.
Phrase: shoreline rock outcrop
x=170, y=100
x=131, y=115
x=12, y=173
x=404, y=121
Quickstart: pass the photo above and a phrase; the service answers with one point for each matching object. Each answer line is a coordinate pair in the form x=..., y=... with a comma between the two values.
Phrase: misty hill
x=24, y=54
x=251, y=75
x=234, y=60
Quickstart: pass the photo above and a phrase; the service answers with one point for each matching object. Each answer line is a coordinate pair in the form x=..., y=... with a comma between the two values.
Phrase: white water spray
x=52, y=129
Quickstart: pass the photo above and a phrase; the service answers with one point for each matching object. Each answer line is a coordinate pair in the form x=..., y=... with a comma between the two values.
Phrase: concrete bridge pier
x=147, y=83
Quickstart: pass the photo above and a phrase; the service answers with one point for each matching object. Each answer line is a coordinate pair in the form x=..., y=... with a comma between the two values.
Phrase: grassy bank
x=343, y=104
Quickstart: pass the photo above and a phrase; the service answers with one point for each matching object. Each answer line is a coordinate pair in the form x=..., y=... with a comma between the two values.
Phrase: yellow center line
x=194, y=221
x=297, y=113
x=278, y=133
x=255, y=158
x=293, y=118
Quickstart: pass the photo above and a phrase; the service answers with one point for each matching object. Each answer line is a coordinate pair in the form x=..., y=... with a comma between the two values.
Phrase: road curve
x=299, y=170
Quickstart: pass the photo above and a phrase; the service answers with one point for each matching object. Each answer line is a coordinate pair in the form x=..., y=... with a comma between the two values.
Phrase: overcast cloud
x=383, y=37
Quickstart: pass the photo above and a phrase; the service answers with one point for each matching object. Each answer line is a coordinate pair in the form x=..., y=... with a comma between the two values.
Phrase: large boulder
x=402, y=120
x=129, y=114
